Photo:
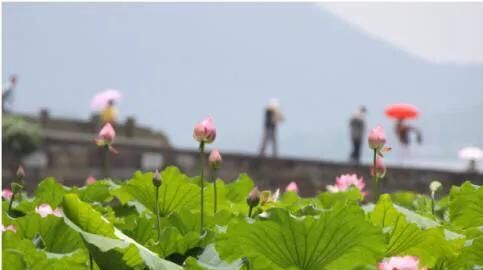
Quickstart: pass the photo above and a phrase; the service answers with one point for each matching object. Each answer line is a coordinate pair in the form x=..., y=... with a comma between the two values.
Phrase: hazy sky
x=442, y=32
x=179, y=62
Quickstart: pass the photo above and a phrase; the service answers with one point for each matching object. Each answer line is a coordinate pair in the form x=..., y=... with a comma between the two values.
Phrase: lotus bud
x=205, y=131
x=380, y=168
x=157, y=179
x=254, y=197
x=107, y=134
x=20, y=174
x=215, y=159
x=90, y=180
x=377, y=138
x=7, y=194
x=292, y=186
x=406, y=263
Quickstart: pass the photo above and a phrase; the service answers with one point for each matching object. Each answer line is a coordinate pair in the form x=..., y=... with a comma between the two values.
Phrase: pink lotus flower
x=400, y=263
x=380, y=168
x=107, y=134
x=377, y=138
x=345, y=181
x=11, y=228
x=215, y=159
x=292, y=186
x=90, y=180
x=45, y=209
x=7, y=194
x=205, y=131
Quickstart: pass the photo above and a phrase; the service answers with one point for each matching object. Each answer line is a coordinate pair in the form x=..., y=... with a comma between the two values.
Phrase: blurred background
x=177, y=63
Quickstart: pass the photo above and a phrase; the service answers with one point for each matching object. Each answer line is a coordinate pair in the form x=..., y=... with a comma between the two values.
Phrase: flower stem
x=11, y=203
x=202, y=183
x=107, y=165
x=374, y=176
x=91, y=261
x=158, y=222
x=250, y=211
x=215, y=191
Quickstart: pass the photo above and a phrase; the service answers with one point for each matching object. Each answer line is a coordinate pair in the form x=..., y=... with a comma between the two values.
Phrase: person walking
x=273, y=116
x=109, y=114
x=357, y=125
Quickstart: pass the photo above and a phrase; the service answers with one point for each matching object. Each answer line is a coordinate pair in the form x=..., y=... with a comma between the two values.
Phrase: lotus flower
x=253, y=197
x=107, y=134
x=90, y=180
x=45, y=209
x=400, y=263
x=380, y=168
x=205, y=131
x=345, y=181
x=215, y=159
x=7, y=194
x=377, y=138
x=11, y=228
x=292, y=186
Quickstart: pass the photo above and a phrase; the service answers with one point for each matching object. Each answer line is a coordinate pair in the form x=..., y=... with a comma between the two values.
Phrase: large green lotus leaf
x=96, y=192
x=210, y=259
x=466, y=206
x=56, y=235
x=237, y=191
x=176, y=191
x=173, y=241
x=408, y=233
x=329, y=199
x=472, y=254
x=339, y=238
x=50, y=191
x=20, y=254
x=110, y=248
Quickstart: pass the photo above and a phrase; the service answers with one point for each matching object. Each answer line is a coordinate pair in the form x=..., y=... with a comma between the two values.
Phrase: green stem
x=432, y=205
x=374, y=176
x=215, y=191
x=250, y=211
x=91, y=261
x=158, y=221
x=11, y=203
x=202, y=183
x=107, y=165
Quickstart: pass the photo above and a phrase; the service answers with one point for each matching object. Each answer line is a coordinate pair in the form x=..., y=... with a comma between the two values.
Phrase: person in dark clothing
x=273, y=115
x=403, y=130
x=357, y=129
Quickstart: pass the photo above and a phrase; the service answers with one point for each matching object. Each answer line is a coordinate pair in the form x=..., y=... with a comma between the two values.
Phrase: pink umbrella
x=100, y=101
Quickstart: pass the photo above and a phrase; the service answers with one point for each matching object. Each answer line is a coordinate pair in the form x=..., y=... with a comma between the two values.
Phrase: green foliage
x=19, y=137
x=116, y=224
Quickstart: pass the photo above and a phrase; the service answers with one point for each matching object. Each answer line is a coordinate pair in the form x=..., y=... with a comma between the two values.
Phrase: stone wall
x=71, y=157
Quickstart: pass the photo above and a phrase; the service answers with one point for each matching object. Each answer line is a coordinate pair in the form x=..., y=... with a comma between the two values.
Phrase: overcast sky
x=443, y=32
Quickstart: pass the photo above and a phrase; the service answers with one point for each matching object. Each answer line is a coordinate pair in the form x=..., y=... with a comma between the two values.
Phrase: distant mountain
x=179, y=62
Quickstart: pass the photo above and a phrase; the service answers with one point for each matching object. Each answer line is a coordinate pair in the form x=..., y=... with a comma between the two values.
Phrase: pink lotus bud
x=90, y=180
x=253, y=197
x=11, y=228
x=157, y=181
x=292, y=186
x=400, y=263
x=45, y=209
x=377, y=138
x=380, y=168
x=107, y=134
x=20, y=173
x=215, y=159
x=205, y=131
x=7, y=194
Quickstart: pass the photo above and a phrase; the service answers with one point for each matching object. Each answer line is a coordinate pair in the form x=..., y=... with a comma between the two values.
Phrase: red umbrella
x=402, y=111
